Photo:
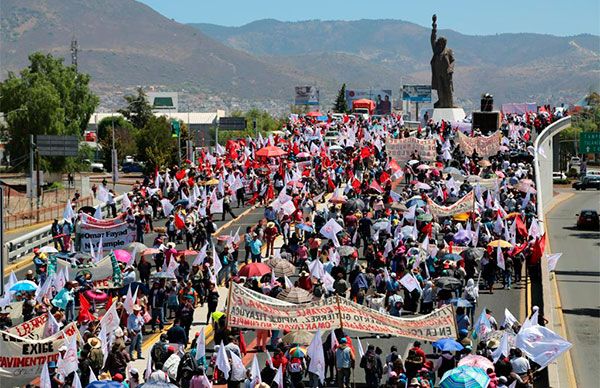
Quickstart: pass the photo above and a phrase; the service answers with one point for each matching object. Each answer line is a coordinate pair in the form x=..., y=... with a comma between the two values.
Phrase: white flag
x=200, y=345
x=410, y=214
x=201, y=255
x=102, y=195
x=278, y=379
x=110, y=320
x=76, y=381
x=98, y=212
x=222, y=362
x=52, y=327
x=130, y=300
x=317, y=356
x=361, y=351
x=238, y=370
x=125, y=203
x=45, y=381
x=167, y=206
x=148, y=369
x=103, y=337
x=541, y=344
x=509, y=319
x=68, y=213
x=503, y=349
x=500, y=258
x=553, y=260
x=331, y=229
x=255, y=372
x=216, y=207
x=409, y=282
x=316, y=269
x=93, y=375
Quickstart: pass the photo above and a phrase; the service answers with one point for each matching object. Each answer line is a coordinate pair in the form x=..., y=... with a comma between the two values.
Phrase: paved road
x=578, y=277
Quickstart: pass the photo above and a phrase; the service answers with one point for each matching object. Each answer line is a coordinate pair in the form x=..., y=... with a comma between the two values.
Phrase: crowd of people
x=389, y=228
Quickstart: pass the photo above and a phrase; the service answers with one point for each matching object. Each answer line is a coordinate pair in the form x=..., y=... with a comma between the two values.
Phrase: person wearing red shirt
x=418, y=350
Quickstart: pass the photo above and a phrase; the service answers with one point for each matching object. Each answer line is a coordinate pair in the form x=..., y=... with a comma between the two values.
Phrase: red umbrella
x=270, y=152
x=254, y=270
x=187, y=252
x=314, y=114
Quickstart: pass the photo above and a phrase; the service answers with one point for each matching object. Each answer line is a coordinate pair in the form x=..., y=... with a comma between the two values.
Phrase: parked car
x=575, y=162
x=588, y=219
x=558, y=176
x=95, y=166
x=588, y=182
x=132, y=167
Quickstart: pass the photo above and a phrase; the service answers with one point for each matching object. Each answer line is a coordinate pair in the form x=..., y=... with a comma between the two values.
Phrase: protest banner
x=115, y=233
x=246, y=310
x=401, y=149
x=32, y=329
x=463, y=205
x=485, y=145
x=104, y=274
x=22, y=359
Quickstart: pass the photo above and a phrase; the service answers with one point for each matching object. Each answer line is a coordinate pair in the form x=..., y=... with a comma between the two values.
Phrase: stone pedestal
x=448, y=114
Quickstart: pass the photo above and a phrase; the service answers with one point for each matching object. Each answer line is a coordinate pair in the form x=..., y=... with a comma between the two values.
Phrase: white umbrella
x=48, y=249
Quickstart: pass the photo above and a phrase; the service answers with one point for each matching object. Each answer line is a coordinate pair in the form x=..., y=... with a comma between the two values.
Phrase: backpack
x=318, y=291
x=188, y=366
x=369, y=362
x=295, y=366
x=158, y=352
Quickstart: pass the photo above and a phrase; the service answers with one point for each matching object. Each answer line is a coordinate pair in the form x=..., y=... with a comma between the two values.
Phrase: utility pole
x=113, y=154
x=74, y=52
x=38, y=188
x=31, y=170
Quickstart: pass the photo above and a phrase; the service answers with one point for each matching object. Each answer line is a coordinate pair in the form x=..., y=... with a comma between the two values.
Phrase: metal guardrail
x=38, y=238
x=544, y=184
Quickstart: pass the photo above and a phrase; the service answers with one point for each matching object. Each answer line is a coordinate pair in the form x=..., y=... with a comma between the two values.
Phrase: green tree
x=125, y=138
x=48, y=98
x=138, y=111
x=340, y=105
x=155, y=145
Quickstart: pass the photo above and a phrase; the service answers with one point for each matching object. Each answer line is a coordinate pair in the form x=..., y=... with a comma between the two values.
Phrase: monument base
x=448, y=114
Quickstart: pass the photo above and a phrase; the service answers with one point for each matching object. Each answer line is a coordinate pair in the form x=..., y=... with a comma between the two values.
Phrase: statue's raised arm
x=433, y=31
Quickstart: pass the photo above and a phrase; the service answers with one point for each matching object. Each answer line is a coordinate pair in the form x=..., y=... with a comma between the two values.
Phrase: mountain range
x=124, y=43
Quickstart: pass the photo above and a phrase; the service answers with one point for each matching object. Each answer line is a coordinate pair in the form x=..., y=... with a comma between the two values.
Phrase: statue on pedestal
x=442, y=69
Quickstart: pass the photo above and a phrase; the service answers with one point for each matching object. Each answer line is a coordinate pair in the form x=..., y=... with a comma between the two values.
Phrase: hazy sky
x=473, y=17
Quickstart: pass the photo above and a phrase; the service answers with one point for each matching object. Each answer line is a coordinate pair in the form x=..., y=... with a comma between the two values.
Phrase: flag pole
x=229, y=302
x=337, y=299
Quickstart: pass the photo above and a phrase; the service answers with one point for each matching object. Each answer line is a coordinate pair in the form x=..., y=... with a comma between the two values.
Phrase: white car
x=558, y=176
x=575, y=162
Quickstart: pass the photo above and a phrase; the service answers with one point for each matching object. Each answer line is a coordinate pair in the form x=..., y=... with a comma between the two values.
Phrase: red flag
x=356, y=184
x=295, y=149
x=243, y=346
x=330, y=184
x=270, y=193
x=179, y=223
x=384, y=177
x=518, y=249
x=365, y=152
x=180, y=174
x=84, y=310
x=253, y=199
x=375, y=186
x=521, y=228
x=109, y=303
x=537, y=250
x=428, y=229
x=394, y=165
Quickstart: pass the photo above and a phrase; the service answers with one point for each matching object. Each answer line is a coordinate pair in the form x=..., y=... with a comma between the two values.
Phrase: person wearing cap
x=373, y=366
x=414, y=383
x=344, y=363
x=135, y=323
x=40, y=261
x=271, y=233
x=255, y=247
x=96, y=356
x=5, y=321
x=227, y=205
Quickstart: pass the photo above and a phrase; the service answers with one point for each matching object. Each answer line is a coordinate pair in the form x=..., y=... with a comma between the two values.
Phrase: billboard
x=56, y=145
x=382, y=98
x=306, y=95
x=416, y=93
x=232, y=123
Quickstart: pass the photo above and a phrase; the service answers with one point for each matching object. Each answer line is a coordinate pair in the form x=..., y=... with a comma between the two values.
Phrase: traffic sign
x=232, y=123
x=589, y=142
x=55, y=145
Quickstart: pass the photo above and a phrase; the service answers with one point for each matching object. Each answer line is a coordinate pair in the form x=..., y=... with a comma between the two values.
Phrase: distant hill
x=126, y=43
x=514, y=67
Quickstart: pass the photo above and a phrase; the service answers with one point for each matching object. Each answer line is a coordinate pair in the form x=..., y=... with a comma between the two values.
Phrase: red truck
x=363, y=106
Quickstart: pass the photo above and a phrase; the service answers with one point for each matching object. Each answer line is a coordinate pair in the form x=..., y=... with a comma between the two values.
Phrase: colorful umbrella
x=150, y=251
x=282, y=267
x=295, y=295
x=162, y=275
x=270, y=152
x=187, y=252
x=447, y=345
x=452, y=257
x=477, y=362
x=300, y=337
x=138, y=246
x=305, y=227
x=48, y=249
x=426, y=217
x=460, y=302
x=448, y=283
x=465, y=377
x=254, y=270
x=297, y=352
x=24, y=286
x=500, y=243
x=122, y=255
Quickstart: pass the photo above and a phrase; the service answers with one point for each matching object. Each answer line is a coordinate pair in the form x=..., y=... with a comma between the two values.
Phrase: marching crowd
x=397, y=247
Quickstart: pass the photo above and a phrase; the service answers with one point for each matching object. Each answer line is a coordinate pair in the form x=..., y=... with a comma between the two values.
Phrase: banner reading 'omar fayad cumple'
x=485, y=145
x=22, y=359
x=249, y=311
x=115, y=233
x=401, y=149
